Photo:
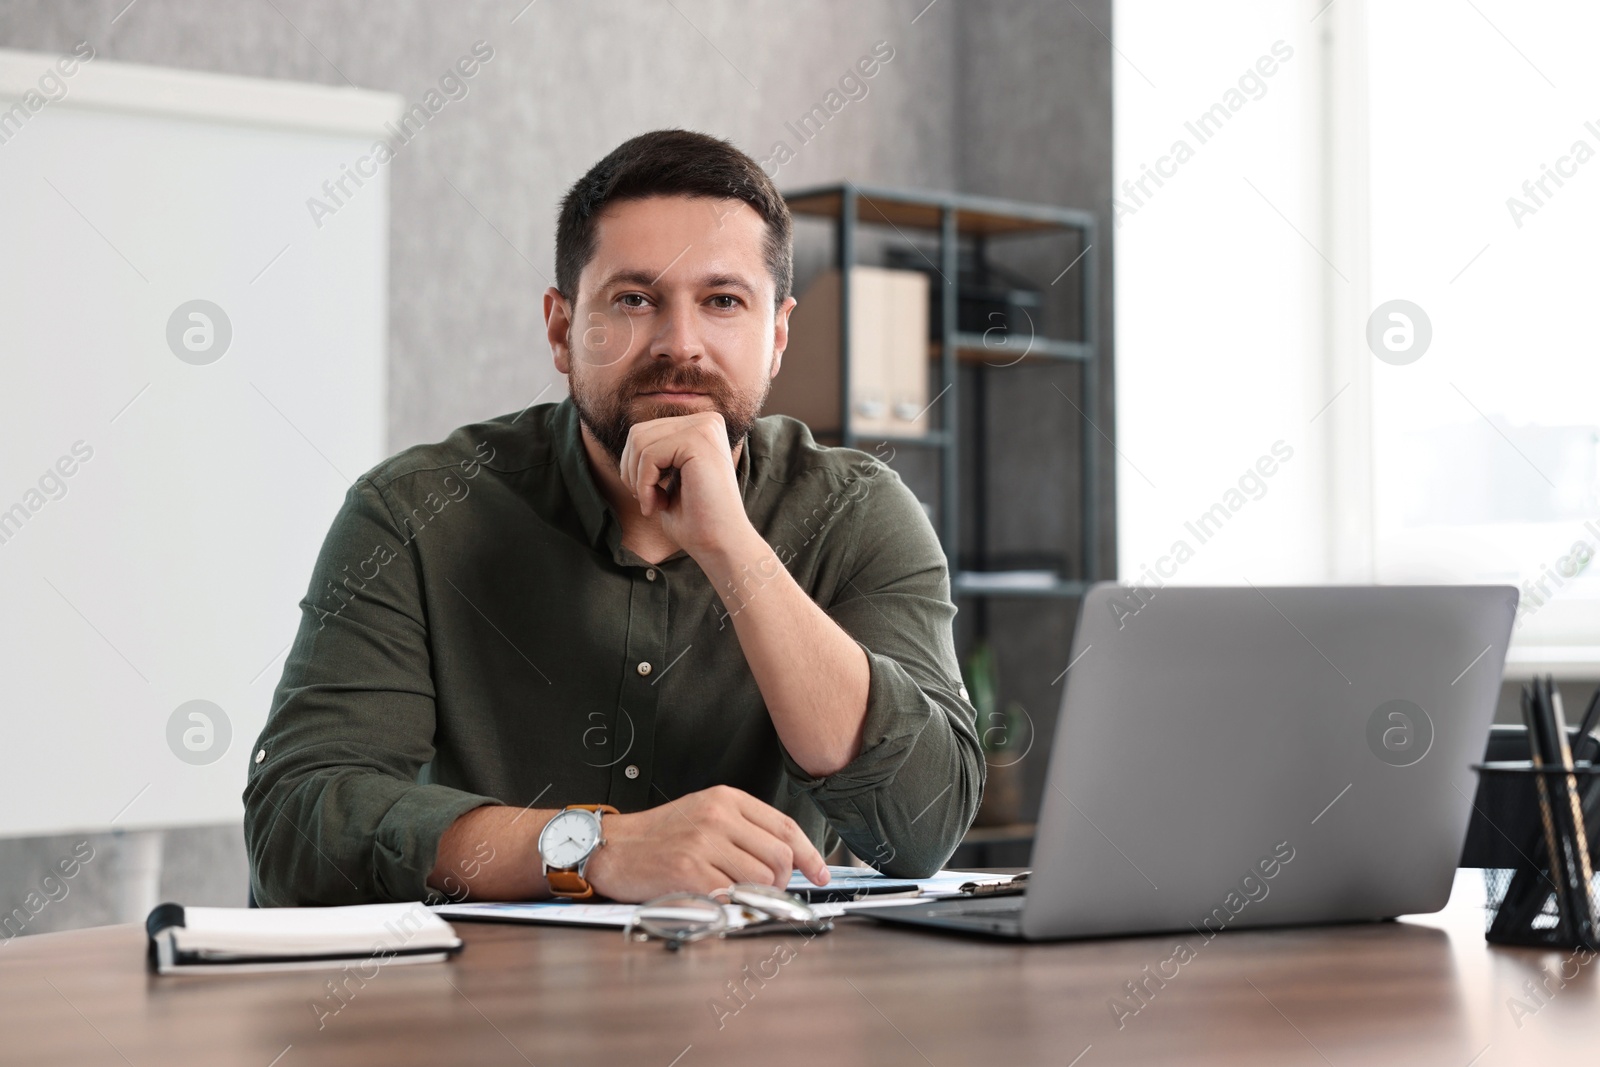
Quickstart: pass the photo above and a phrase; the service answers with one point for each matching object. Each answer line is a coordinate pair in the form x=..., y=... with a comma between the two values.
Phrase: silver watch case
x=599, y=839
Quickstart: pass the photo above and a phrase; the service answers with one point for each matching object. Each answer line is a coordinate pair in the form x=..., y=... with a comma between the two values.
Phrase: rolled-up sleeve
x=905, y=801
x=334, y=813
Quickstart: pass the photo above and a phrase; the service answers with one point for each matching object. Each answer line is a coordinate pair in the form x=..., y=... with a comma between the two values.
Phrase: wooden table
x=1422, y=991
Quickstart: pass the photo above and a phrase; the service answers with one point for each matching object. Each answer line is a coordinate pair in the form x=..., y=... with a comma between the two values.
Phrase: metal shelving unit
x=976, y=219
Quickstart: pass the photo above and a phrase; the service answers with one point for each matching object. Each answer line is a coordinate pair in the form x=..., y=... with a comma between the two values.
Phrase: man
x=733, y=642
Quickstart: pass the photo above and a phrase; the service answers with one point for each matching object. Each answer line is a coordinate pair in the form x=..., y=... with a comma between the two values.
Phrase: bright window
x=1426, y=169
x=1484, y=166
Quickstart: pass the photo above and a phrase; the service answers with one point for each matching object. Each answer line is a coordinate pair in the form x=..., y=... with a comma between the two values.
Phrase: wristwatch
x=567, y=843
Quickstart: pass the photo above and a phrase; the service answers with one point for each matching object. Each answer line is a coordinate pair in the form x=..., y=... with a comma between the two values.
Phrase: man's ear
x=558, y=328
x=780, y=334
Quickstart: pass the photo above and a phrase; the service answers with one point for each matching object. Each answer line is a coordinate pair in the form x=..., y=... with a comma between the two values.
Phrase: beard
x=609, y=416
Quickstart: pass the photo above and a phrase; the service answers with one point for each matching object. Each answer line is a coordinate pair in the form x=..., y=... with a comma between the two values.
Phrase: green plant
x=996, y=728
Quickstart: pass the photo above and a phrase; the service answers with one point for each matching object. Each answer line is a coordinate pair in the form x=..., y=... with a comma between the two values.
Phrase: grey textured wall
x=474, y=194
x=1006, y=97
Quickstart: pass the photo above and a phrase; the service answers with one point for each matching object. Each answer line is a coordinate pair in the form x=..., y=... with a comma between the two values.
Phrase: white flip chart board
x=192, y=371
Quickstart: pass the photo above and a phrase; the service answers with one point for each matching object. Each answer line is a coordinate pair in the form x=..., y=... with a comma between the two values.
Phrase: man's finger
x=625, y=461
x=669, y=482
x=652, y=465
x=773, y=851
x=806, y=857
x=655, y=493
x=640, y=438
x=737, y=865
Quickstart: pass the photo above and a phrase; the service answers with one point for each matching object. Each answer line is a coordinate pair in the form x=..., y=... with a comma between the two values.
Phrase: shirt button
x=631, y=770
x=963, y=692
x=650, y=574
x=261, y=755
x=644, y=667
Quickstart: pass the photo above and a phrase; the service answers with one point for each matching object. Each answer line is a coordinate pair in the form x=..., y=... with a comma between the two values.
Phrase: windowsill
x=1566, y=662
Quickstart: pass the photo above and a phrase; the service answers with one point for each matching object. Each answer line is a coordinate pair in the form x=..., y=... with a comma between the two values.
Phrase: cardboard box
x=888, y=349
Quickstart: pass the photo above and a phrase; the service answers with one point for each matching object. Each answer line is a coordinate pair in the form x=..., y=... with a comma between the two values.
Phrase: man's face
x=673, y=315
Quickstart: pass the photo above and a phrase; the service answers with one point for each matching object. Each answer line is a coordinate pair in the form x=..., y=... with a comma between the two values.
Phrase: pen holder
x=1540, y=903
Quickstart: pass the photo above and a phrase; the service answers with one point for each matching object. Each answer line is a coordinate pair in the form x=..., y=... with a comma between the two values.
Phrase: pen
x=1530, y=886
x=1546, y=751
x=1589, y=730
x=1579, y=869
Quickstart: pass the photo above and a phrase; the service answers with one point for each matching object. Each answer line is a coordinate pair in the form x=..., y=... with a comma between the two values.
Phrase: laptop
x=1260, y=756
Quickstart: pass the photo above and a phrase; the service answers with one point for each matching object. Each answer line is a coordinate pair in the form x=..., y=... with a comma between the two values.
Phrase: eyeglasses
x=679, y=918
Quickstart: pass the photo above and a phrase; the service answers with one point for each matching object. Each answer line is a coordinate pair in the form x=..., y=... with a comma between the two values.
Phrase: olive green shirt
x=475, y=633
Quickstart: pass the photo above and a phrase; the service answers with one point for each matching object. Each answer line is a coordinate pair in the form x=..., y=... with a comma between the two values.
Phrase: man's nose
x=678, y=337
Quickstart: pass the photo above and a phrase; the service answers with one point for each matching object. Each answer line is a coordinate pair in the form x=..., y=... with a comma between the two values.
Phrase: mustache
x=657, y=378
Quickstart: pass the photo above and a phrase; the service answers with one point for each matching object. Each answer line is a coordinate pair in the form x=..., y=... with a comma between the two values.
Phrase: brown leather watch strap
x=571, y=883
x=606, y=808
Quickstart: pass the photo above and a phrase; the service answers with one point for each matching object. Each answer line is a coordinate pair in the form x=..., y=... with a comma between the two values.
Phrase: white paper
x=564, y=913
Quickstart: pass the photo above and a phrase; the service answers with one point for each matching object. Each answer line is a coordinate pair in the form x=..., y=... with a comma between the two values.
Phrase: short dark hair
x=671, y=163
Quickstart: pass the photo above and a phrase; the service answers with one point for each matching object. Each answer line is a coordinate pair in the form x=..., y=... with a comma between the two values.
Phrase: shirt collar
x=593, y=509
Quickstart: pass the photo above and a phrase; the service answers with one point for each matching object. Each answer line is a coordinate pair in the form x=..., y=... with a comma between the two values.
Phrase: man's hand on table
x=697, y=843
x=701, y=842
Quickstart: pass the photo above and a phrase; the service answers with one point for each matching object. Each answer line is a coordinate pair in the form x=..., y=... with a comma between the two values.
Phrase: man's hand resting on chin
x=681, y=470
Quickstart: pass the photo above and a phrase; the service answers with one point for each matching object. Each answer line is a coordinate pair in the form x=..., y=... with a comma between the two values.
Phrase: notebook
x=211, y=940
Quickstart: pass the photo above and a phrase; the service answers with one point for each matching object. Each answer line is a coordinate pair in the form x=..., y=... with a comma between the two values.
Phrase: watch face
x=568, y=838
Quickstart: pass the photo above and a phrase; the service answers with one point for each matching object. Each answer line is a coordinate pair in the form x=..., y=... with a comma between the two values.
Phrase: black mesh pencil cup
x=1550, y=816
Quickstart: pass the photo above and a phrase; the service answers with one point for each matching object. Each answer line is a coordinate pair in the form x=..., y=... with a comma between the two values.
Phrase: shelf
x=972, y=349
x=960, y=225
x=985, y=584
x=975, y=215
x=1570, y=662
x=934, y=439
x=989, y=835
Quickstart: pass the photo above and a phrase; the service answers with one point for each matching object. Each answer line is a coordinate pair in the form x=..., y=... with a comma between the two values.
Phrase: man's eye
x=724, y=302
x=633, y=300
